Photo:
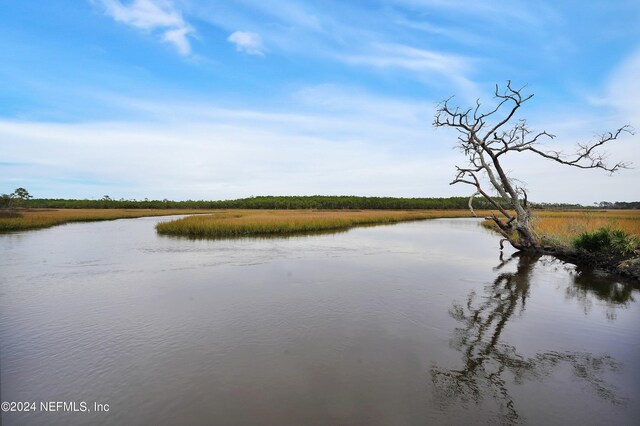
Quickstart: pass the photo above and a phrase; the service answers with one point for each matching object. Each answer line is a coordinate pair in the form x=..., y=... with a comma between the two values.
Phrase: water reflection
x=589, y=284
x=490, y=366
x=259, y=237
x=287, y=235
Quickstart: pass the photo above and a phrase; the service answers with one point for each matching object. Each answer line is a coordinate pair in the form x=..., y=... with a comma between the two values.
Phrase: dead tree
x=485, y=138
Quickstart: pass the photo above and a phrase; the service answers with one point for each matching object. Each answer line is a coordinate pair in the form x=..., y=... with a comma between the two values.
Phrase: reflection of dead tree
x=485, y=139
x=487, y=361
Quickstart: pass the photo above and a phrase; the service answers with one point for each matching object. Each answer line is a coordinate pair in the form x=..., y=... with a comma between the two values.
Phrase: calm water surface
x=411, y=324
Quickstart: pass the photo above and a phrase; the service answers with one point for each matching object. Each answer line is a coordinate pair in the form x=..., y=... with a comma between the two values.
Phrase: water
x=410, y=324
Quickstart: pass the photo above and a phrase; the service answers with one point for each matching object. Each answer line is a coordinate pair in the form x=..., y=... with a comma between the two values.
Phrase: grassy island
x=245, y=223
x=557, y=227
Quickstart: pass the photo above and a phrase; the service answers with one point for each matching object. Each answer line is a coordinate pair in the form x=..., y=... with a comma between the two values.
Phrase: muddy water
x=410, y=324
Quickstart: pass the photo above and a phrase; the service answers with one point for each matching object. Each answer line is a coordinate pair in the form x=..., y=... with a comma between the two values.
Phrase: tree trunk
x=527, y=239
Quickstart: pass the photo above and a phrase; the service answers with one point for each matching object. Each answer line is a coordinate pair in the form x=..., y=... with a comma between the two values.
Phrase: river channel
x=416, y=323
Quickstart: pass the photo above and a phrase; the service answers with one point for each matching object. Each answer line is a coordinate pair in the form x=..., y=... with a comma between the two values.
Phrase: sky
x=205, y=99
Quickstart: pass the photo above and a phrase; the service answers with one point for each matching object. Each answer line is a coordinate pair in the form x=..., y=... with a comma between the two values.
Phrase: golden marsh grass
x=561, y=226
x=44, y=218
x=239, y=223
x=564, y=226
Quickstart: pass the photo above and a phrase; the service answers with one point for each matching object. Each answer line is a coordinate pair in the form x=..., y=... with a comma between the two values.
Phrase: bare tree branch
x=471, y=203
x=485, y=149
x=586, y=157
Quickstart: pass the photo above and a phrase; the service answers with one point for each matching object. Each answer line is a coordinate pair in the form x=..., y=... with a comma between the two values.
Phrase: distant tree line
x=617, y=205
x=300, y=202
x=632, y=205
x=265, y=202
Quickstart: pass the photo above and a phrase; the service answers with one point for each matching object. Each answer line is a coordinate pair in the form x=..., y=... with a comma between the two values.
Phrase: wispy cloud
x=424, y=63
x=218, y=160
x=153, y=15
x=410, y=58
x=178, y=38
x=355, y=102
x=623, y=88
x=446, y=32
x=247, y=42
x=504, y=12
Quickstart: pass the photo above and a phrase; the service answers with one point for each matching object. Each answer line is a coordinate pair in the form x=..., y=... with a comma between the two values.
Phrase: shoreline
x=628, y=267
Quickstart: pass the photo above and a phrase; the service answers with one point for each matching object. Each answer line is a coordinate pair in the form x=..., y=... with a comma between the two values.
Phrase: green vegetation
x=267, y=202
x=10, y=202
x=608, y=242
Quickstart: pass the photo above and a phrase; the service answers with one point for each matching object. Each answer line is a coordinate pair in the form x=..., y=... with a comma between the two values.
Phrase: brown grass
x=565, y=226
x=237, y=223
x=44, y=218
x=562, y=227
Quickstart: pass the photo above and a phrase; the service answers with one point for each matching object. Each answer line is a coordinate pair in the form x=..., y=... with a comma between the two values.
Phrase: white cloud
x=153, y=15
x=332, y=140
x=623, y=89
x=211, y=160
x=467, y=37
x=424, y=63
x=178, y=37
x=504, y=12
x=191, y=150
x=410, y=58
x=357, y=102
x=250, y=43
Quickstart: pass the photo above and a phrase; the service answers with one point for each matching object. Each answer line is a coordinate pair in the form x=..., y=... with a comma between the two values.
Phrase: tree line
x=301, y=202
x=263, y=202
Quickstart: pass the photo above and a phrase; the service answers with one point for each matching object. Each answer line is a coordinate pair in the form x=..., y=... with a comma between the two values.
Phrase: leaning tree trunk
x=520, y=224
x=527, y=239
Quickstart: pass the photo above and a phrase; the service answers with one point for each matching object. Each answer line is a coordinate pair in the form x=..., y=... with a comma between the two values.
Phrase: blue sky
x=191, y=99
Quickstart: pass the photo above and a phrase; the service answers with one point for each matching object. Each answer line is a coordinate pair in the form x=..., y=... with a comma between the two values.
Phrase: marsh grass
x=566, y=226
x=246, y=223
x=557, y=227
x=562, y=228
x=45, y=218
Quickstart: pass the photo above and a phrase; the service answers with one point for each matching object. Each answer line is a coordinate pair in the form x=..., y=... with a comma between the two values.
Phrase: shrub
x=607, y=241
